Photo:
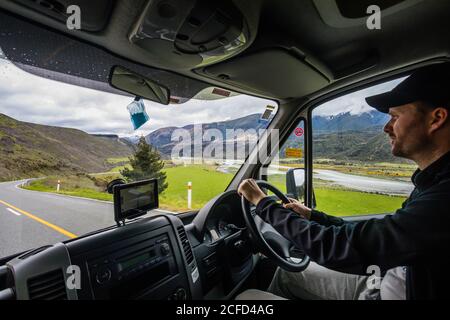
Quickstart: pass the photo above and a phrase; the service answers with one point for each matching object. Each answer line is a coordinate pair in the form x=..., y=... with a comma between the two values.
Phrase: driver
x=410, y=247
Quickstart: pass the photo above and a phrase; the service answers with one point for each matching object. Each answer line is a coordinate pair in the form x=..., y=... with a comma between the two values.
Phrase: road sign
x=294, y=153
x=299, y=132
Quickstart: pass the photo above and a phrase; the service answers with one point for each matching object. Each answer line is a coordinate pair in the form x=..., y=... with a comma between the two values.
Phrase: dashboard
x=149, y=258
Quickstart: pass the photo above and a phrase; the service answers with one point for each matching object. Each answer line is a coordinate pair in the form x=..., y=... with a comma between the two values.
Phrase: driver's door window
x=354, y=170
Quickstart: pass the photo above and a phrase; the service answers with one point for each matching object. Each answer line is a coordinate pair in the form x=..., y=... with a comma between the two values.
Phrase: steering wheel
x=270, y=242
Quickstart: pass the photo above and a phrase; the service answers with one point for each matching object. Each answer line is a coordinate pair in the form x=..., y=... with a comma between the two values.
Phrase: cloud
x=29, y=98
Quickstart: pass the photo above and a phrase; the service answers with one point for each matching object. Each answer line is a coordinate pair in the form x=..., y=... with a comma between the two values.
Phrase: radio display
x=135, y=260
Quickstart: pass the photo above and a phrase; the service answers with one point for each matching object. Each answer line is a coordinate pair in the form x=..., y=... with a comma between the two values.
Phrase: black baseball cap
x=430, y=84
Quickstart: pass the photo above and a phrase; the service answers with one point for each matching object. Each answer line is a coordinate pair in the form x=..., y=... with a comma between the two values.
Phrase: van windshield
x=60, y=145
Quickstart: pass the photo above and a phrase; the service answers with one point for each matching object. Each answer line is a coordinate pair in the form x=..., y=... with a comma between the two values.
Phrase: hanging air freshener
x=137, y=112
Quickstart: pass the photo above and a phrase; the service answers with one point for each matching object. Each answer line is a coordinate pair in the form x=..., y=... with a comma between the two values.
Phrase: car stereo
x=135, y=199
x=134, y=270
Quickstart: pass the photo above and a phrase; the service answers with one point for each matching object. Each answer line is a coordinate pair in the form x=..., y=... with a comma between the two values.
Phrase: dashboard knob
x=103, y=275
x=164, y=249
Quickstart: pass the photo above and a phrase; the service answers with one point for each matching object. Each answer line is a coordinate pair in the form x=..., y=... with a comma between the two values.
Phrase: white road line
x=12, y=211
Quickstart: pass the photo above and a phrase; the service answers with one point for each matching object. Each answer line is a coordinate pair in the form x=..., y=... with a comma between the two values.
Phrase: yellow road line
x=46, y=223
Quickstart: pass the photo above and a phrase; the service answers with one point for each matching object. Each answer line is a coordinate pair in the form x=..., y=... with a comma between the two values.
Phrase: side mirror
x=112, y=184
x=138, y=85
x=295, y=185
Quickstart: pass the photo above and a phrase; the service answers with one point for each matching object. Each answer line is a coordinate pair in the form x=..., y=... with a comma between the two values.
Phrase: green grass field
x=78, y=186
x=343, y=202
x=208, y=183
x=353, y=203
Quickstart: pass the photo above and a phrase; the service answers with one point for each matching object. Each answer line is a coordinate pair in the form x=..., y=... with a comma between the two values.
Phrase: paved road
x=362, y=183
x=30, y=219
x=367, y=184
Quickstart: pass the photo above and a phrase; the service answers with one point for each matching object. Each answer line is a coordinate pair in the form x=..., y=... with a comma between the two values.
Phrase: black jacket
x=416, y=236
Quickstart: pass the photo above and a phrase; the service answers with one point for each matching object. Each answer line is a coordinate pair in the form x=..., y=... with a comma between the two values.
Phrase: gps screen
x=135, y=199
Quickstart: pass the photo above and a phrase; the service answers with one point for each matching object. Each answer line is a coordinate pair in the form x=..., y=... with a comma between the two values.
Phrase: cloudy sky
x=355, y=102
x=29, y=98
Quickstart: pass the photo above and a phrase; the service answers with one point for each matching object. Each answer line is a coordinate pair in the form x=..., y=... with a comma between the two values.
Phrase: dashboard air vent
x=186, y=245
x=48, y=286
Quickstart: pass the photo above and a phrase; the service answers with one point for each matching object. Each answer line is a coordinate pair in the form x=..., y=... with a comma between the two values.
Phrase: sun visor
x=276, y=72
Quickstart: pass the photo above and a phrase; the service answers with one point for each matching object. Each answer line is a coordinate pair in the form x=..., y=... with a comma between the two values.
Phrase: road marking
x=46, y=223
x=12, y=211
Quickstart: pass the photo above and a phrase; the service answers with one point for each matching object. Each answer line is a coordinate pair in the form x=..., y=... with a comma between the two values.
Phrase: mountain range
x=161, y=138
x=344, y=136
x=33, y=150
x=349, y=122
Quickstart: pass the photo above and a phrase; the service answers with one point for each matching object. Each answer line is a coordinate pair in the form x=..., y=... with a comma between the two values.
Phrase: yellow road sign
x=294, y=153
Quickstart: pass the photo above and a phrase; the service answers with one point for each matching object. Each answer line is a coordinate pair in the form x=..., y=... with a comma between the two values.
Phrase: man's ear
x=438, y=117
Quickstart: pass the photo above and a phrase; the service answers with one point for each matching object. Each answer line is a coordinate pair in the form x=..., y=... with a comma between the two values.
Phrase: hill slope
x=32, y=150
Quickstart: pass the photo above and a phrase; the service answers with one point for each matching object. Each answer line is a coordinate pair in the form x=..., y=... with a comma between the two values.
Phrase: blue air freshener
x=137, y=112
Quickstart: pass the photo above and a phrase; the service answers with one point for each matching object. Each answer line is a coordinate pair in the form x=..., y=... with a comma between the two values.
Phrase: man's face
x=407, y=131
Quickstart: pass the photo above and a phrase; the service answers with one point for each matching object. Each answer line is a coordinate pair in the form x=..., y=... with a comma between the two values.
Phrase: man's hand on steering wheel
x=299, y=208
x=270, y=242
x=253, y=193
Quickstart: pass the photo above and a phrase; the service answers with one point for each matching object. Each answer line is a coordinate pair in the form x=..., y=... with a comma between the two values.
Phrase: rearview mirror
x=138, y=85
x=295, y=185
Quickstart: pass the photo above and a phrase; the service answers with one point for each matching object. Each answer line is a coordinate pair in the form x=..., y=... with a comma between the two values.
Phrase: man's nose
x=388, y=127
